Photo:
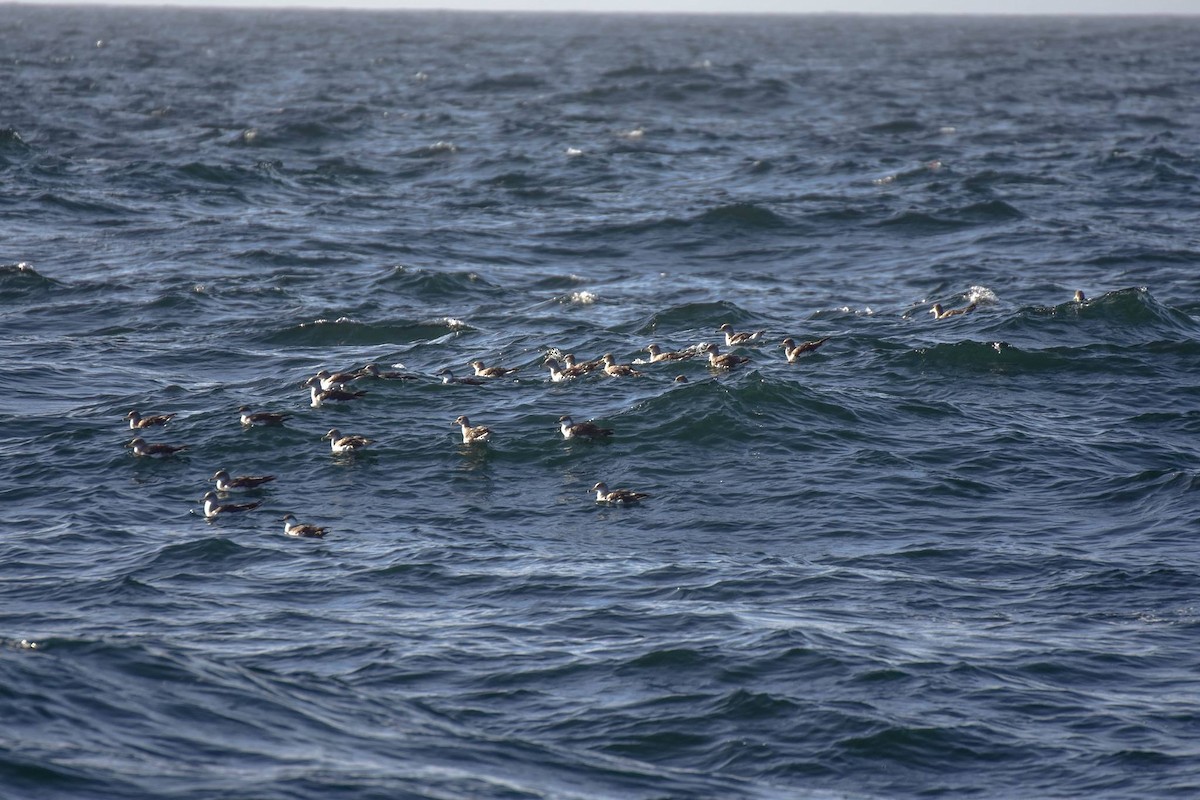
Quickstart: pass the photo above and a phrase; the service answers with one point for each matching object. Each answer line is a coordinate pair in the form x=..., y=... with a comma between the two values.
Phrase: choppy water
x=935, y=559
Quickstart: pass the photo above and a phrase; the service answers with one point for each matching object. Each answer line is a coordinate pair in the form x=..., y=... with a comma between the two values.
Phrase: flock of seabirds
x=334, y=387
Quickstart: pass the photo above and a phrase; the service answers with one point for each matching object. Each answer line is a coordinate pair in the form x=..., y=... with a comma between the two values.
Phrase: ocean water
x=935, y=558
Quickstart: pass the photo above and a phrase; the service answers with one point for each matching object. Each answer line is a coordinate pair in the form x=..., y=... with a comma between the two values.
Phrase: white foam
x=981, y=294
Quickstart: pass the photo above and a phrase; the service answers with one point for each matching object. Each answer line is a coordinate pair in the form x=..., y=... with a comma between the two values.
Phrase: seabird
x=793, y=351
x=615, y=370
x=557, y=373
x=143, y=448
x=584, y=366
x=616, y=496
x=448, y=377
x=726, y=361
x=1079, y=296
x=491, y=372
x=319, y=396
x=472, y=434
x=293, y=528
x=336, y=380
x=658, y=354
x=939, y=313
x=581, y=430
x=138, y=422
x=212, y=506
x=373, y=371
x=226, y=483
x=345, y=444
x=734, y=339
x=251, y=417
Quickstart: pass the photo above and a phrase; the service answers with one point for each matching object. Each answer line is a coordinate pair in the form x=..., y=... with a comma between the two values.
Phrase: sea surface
x=949, y=558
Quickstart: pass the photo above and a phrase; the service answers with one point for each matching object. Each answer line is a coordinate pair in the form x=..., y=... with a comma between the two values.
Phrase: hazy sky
x=727, y=6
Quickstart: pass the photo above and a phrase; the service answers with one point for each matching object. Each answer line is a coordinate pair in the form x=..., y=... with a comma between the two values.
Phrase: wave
x=436, y=285
x=923, y=222
x=19, y=282
x=1120, y=317
x=694, y=315
x=343, y=332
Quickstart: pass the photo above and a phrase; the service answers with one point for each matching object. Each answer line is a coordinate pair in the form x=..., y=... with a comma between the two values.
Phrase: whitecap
x=574, y=151
x=582, y=298
x=981, y=294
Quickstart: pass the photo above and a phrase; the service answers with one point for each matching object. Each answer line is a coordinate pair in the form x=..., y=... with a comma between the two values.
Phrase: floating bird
x=250, y=417
x=335, y=380
x=448, y=377
x=293, y=528
x=491, y=372
x=581, y=430
x=345, y=444
x=658, y=354
x=939, y=313
x=681, y=379
x=615, y=370
x=735, y=339
x=726, y=361
x=616, y=496
x=138, y=422
x=472, y=434
x=226, y=484
x=585, y=366
x=373, y=371
x=213, y=506
x=793, y=351
x=1079, y=296
x=557, y=373
x=320, y=396
x=143, y=448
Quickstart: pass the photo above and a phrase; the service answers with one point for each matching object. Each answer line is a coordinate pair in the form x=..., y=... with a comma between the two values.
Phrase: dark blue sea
x=934, y=558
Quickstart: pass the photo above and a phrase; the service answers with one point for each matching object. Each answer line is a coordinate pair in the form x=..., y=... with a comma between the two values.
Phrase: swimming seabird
x=340, y=395
x=734, y=339
x=293, y=528
x=345, y=444
x=581, y=430
x=616, y=496
x=939, y=313
x=557, y=373
x=472, y=434
x=448, y=377
x=1079, y=296
x=615, y=370
x=143, y=448
x=373, y=371
x=793, y=351
x=225, y=483
x=491, y=372
x=726, y=361
x=583, y=366
x=251, y=417
x=138, y=422
x=658, y=354
x=335, y=380
x=213, y=506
